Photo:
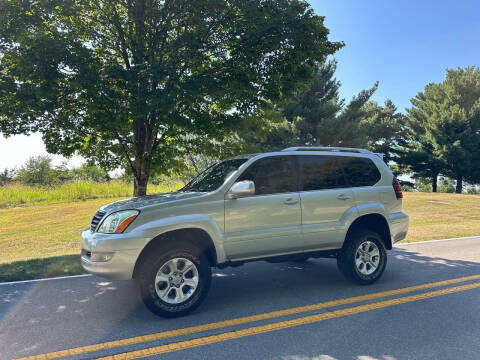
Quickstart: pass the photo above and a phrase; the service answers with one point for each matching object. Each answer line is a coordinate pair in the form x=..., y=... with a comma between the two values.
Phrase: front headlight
x=117, y=222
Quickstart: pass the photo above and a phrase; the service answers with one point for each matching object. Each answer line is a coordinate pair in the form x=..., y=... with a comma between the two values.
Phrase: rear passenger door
x=326, y=201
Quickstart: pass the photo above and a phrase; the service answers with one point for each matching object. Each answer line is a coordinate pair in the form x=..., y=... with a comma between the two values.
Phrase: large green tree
x=127, y=83
x=318, y=116
x=444, y=123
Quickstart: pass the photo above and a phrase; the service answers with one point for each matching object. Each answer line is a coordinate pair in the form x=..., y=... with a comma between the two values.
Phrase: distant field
x=35, y=240
x=21, y=195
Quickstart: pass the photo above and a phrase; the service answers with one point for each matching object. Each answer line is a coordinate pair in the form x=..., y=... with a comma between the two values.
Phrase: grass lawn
x=43, y=240
x=34, y=240
x=440, y=216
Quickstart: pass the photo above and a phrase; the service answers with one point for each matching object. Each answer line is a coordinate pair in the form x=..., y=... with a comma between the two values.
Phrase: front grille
x=96, y=219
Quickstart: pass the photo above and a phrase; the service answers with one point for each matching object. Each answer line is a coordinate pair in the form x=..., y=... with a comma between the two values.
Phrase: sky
x=403, y=44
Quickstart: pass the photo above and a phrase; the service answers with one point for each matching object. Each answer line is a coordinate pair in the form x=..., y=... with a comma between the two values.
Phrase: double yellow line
x=262, y=328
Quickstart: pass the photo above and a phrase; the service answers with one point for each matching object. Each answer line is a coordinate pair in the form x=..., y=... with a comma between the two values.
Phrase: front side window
x=319, y=173
x=272, y=175
x=214, y=177
x=360, y=171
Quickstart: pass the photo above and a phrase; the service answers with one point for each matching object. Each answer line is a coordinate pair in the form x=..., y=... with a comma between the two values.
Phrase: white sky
x=15, y=150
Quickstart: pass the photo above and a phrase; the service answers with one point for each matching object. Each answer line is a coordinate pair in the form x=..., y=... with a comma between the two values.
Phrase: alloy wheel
x=176, y=280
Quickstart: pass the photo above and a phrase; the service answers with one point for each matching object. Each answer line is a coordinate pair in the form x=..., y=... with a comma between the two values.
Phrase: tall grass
x=17, y=194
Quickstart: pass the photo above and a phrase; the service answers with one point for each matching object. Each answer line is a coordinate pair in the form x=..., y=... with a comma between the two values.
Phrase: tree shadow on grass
x=41, y=268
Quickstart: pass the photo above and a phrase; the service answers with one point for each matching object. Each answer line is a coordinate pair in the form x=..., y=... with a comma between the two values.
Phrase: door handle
x=290, y=201
x=343, y=197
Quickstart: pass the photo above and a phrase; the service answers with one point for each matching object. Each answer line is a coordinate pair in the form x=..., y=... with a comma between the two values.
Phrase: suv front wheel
x=175, y=282
x=363, y=259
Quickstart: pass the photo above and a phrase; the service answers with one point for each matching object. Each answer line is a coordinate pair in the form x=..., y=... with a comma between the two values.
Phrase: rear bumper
x=398, y=226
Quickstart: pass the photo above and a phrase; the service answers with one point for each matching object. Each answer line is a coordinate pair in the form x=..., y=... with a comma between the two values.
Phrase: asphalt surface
x=436, y=322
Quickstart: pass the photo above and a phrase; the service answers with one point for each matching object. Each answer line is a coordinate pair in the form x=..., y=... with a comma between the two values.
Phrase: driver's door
x=269, y=222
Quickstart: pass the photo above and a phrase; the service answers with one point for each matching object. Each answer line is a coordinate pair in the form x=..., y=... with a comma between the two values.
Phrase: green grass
x=41, y=268
x=440, y=215
x=20, y=195
x=43, y=239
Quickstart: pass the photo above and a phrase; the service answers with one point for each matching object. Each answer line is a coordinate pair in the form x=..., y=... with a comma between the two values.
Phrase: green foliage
x=90, y=172
x=316, y=109
x=444, y=129
x=318, y=116
x=384, y=128
x=124, y=83
x=407, y=187
x=347, y=129
x=7, y=176
x=38, y=170
x=63, y=173
x=446, y=186
x=473, y=190
x=422, y=184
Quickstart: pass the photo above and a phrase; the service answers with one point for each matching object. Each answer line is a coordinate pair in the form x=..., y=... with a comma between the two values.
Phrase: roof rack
x=327, y=148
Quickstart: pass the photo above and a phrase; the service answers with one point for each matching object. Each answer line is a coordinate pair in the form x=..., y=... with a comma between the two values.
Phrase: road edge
x=44, y=279
x=437, y=240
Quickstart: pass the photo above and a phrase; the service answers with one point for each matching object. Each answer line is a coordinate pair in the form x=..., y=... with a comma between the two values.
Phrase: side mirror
x=241, y=189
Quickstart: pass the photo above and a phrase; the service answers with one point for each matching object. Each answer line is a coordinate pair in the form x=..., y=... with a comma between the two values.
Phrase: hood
x=144, y=201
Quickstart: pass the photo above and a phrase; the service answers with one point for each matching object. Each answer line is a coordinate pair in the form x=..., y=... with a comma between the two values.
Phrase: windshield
x=214, y=177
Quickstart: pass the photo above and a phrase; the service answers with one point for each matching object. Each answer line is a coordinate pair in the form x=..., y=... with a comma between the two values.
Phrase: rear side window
x=272, y=175
x=319, y=173
x=359, y=171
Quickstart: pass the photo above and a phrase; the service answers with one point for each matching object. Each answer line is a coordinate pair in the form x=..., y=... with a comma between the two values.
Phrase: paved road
x=435, y=321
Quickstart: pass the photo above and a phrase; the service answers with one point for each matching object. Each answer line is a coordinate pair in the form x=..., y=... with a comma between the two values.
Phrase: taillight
x=397, y=188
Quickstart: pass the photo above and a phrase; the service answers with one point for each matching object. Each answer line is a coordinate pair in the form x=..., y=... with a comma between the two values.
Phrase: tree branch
x=125, y=151
x=121, y=34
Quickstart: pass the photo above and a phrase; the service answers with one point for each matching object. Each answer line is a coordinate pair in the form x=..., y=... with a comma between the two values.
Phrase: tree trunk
x=140, y=186
x=459, y=187
x=434, y=183
x=143, y=147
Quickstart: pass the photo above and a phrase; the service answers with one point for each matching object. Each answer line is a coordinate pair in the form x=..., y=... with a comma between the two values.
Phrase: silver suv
x=280, y=206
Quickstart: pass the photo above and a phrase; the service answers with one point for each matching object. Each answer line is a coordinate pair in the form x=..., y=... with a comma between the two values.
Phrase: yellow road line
x=182, y=345
x=239, y=321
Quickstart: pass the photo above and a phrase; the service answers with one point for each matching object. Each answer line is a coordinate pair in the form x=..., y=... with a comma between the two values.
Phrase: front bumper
x=122, y=262
x=398, y=226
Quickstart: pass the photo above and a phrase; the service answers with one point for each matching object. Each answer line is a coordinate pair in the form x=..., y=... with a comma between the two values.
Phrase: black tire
x=152, y=264
x=346, y=259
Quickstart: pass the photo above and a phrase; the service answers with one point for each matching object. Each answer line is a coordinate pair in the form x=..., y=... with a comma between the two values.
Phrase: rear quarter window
x=319, y=173
x=360, y=171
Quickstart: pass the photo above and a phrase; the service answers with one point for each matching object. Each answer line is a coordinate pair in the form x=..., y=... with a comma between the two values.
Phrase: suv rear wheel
x=175, y=282
x=364, y=257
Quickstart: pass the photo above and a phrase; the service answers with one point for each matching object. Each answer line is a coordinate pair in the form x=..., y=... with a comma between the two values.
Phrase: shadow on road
x=90, y=310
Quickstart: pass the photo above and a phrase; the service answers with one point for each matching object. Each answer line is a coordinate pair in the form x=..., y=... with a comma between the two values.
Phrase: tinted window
x=320, y=172
x=271, y=175
x=214, y=177
x=360, y=171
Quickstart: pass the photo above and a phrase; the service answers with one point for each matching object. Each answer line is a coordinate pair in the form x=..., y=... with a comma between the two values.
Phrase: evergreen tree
x=444, y=125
